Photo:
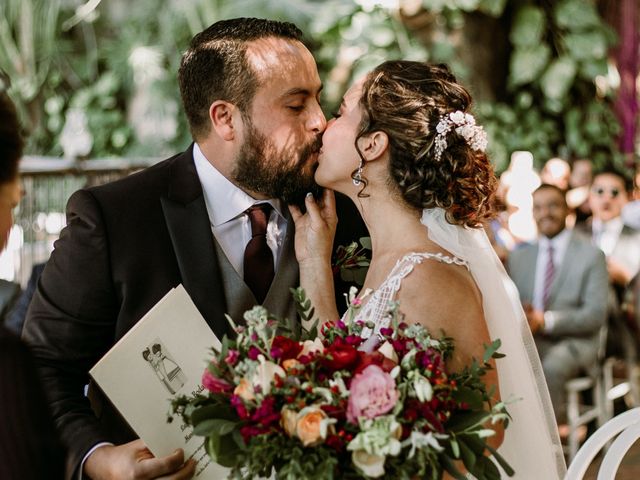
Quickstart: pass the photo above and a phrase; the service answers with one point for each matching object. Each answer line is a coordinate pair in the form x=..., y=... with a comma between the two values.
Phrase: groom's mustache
x=310, y=149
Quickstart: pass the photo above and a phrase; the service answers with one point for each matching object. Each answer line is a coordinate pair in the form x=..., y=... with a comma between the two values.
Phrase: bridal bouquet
x=283, y=400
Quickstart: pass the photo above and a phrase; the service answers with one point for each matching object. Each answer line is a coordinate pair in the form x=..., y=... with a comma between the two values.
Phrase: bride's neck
x=393, y=226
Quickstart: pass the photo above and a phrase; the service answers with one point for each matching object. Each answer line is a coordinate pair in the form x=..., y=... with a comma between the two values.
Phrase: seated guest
x=29, y=446
x=562, y=281
x=621, y=245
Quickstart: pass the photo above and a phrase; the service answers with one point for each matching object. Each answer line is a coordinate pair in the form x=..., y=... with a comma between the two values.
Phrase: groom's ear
x=373, y=145
x=221, y=114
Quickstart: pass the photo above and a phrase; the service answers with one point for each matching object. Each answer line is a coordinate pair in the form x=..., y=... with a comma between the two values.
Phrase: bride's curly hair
x=406, y=100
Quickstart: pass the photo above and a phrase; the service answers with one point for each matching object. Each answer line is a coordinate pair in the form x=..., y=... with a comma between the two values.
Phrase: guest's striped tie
x=548, y=276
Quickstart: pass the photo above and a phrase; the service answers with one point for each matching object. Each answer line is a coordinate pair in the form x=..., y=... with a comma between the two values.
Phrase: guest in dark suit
x=250, y=90
x=562, y=281
x=29, y=445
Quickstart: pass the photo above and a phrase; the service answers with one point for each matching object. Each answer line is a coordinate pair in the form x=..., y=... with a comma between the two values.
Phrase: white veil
x=531, y=443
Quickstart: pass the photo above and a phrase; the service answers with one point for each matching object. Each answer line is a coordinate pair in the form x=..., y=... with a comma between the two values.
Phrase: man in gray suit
x=562, y=281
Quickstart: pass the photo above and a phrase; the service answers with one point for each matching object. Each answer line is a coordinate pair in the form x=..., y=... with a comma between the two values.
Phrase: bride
x=407, y=153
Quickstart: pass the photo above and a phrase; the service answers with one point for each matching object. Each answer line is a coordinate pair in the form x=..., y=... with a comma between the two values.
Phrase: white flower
x=465, y=126
x=422, y=387
x=419, y=440
x=311, y=346
x=342, y=388
x=457, y=117
x=388, y=351
x=371, y=465
x=265, y=373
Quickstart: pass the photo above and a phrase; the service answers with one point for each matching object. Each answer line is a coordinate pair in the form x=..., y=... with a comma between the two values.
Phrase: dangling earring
x=357, y=177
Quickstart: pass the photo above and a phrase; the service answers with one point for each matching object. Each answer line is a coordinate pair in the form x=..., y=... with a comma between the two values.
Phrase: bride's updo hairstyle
x=407, y=100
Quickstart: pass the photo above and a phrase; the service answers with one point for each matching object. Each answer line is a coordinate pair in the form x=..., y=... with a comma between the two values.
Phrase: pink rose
x=372, y=393
x=215, y=384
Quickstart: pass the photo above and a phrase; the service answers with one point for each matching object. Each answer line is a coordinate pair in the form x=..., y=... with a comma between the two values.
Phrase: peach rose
x=291, y=365
x=288, y=420
x=309, y=427
x=244, y=390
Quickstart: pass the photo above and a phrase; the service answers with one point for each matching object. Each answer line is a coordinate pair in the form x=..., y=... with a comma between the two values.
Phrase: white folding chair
x=626, y=427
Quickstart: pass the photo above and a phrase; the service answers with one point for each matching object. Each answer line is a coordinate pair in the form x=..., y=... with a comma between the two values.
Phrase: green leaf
x=558, y=78
x=495, y=8
x=217, y=427
x=500, y=459
x=490, y=350
x=586, y=46
x=217, y=411
x=576, y=15
x=590, y=69
x=451, y=468
x=467, y=455
x=223, y=450
x=528, y=27
x=464, y=421
x=527, y=63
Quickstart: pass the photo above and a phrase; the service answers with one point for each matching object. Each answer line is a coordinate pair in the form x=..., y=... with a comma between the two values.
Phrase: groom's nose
x=316, y=121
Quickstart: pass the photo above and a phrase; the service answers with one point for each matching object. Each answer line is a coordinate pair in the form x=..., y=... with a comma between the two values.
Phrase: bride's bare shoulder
x=444, y=296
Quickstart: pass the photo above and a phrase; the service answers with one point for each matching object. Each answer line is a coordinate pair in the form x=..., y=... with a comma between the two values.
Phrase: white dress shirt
x=226, y=205
x=606, y=234
x=559, y=244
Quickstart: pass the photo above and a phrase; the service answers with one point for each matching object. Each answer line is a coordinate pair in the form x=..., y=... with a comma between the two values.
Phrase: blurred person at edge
x=556, y=171
x=29, y=446
x=631, y=211
x=578, y=194
x=621, y=245
x=564, y=297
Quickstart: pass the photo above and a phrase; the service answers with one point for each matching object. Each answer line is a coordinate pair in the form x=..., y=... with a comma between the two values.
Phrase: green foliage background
x=67, y=53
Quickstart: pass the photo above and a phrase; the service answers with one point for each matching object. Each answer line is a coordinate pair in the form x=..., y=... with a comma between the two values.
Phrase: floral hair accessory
x=464, y=125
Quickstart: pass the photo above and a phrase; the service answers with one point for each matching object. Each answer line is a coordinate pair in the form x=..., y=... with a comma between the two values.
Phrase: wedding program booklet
x=162, y=356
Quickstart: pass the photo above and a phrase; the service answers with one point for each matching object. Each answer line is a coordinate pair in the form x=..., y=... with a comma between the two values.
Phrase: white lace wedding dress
x=531, y=444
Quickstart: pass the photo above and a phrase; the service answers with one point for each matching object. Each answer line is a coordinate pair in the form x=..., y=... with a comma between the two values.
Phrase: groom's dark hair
x=215, y=66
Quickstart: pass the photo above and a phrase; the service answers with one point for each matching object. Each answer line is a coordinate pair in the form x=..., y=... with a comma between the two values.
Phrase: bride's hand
x=315, y=229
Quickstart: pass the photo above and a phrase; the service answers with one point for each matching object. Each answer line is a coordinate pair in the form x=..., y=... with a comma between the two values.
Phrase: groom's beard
x=287, y=174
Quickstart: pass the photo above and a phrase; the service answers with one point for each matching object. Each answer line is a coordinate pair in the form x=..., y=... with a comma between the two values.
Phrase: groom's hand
x=134, y=461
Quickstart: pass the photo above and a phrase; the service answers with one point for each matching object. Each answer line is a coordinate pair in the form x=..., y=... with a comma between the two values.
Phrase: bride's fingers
x=329, y=204
x=295, y=212
x=313, y=210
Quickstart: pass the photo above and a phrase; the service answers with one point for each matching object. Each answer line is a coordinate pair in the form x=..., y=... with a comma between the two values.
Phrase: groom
x=250, y=91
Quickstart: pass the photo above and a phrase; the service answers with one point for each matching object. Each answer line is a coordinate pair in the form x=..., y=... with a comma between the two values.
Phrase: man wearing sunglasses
x=621, y=245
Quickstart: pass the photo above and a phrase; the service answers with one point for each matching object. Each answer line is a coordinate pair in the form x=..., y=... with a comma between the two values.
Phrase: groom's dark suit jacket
x=125, y=246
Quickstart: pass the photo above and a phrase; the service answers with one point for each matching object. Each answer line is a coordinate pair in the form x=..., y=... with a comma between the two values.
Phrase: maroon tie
x=549, y=273
x=258, y=258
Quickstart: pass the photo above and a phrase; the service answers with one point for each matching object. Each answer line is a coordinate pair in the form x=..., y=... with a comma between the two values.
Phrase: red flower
x=284, y=348
x=373, y=358
x=215, y=384
x=339, y=356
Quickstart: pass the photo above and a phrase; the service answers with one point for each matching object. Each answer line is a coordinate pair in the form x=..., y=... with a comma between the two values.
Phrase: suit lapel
x=190, y=231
